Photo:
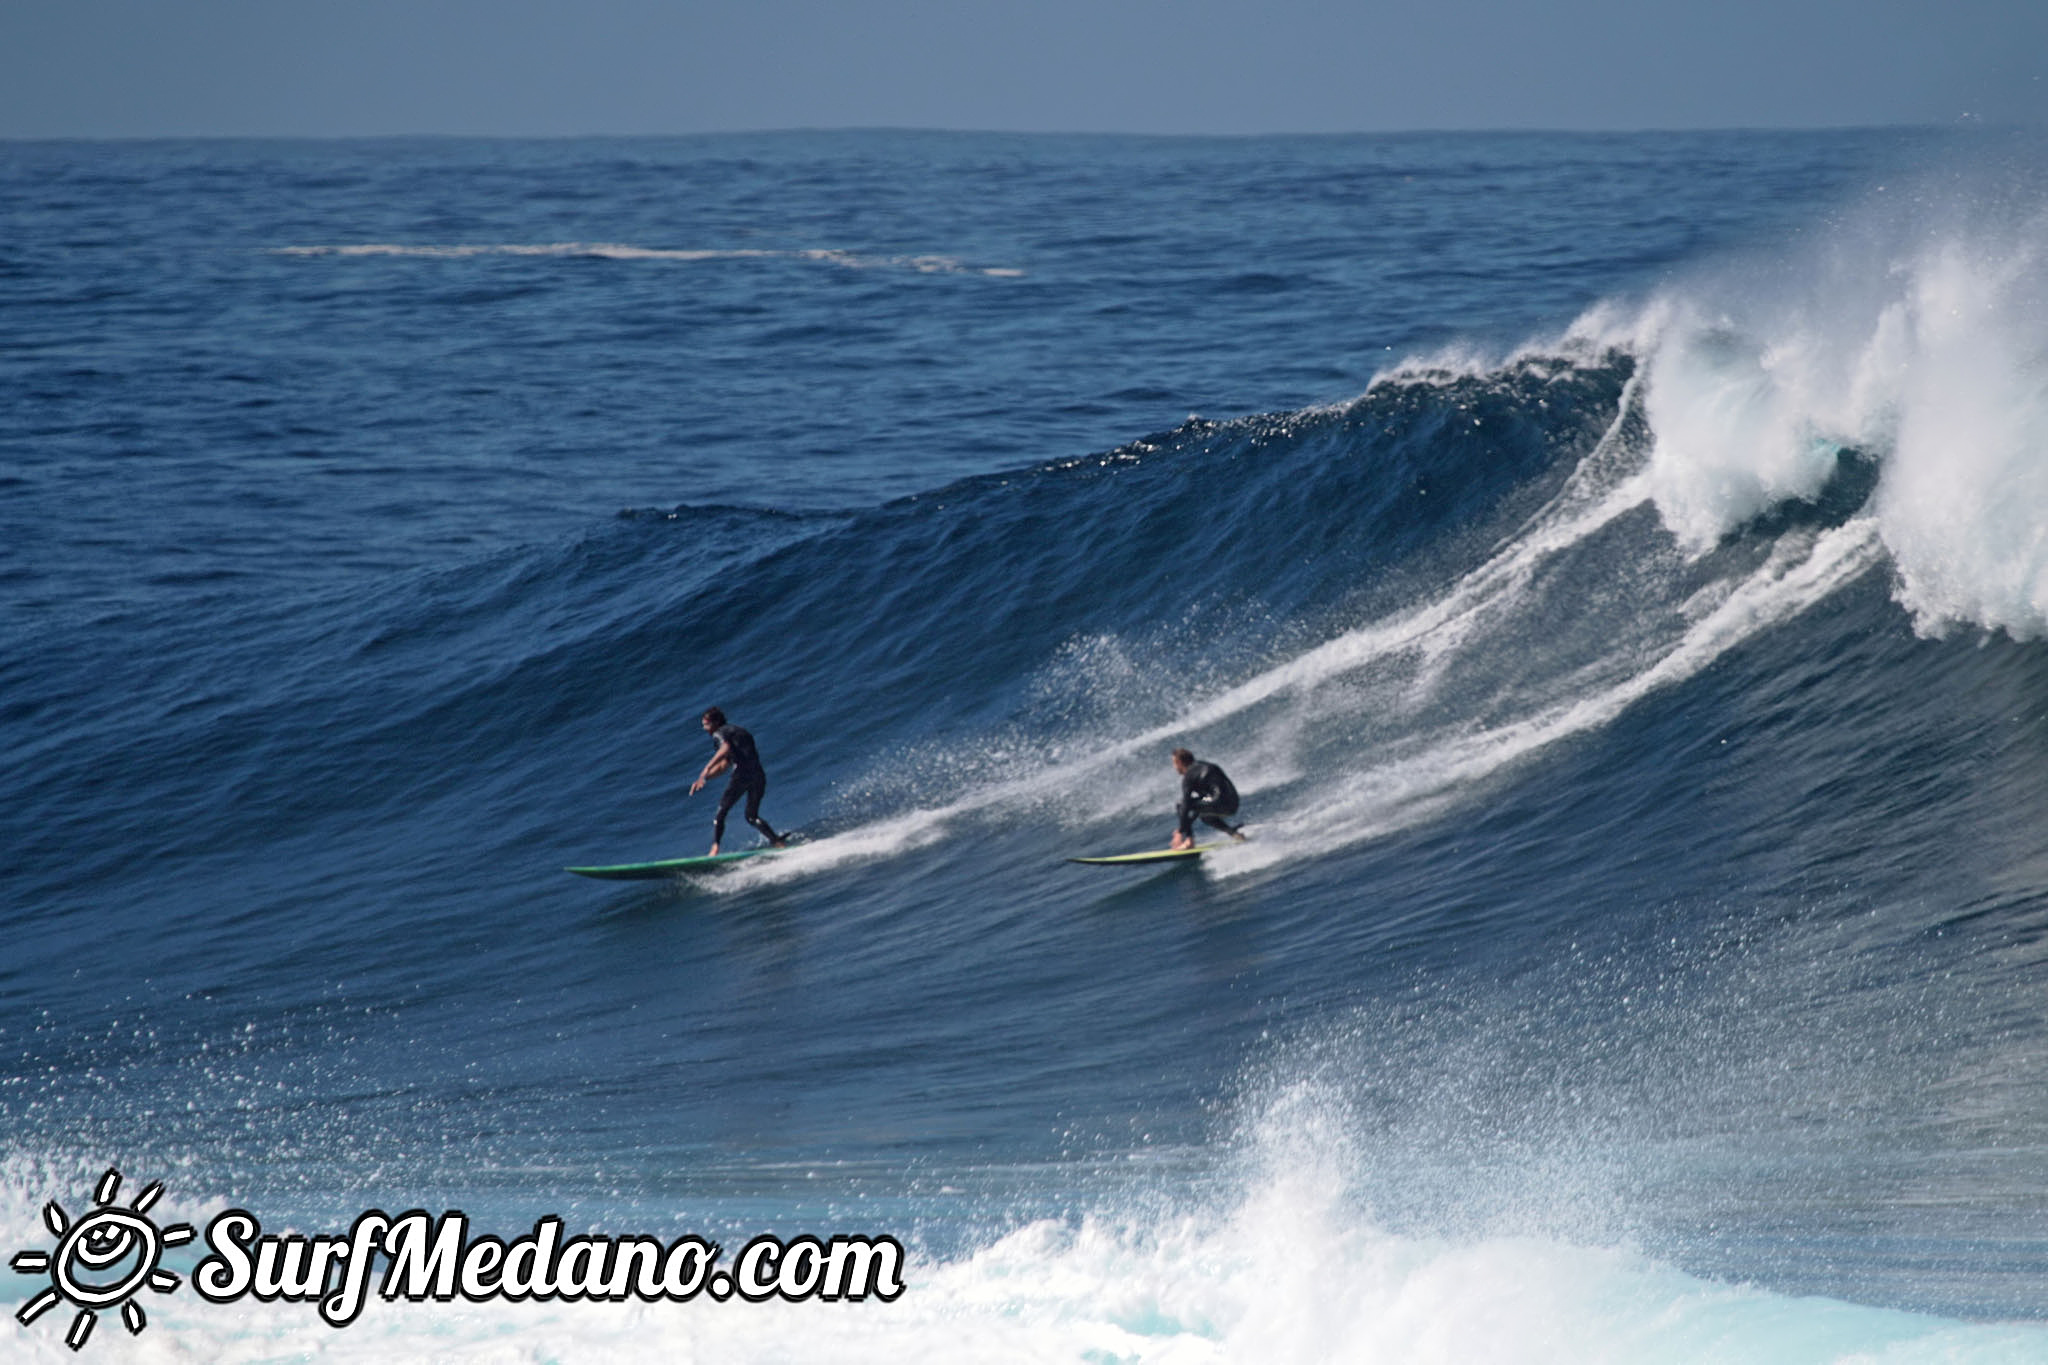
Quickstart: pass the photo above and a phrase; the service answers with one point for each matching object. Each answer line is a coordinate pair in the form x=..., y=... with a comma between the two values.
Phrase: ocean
x=1614, y=570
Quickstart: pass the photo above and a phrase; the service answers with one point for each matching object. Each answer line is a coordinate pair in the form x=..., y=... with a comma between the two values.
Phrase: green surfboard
x=1159, y=855
x=668, y=867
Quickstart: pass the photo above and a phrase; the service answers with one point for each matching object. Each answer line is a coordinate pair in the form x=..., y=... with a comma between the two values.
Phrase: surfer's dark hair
x=1182, y=756
x=714, y=715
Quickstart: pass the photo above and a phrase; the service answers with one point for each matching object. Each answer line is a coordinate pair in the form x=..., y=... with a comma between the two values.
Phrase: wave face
x=1639, y=947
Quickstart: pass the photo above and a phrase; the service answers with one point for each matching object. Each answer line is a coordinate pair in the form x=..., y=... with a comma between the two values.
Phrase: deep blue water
x=1610, y=566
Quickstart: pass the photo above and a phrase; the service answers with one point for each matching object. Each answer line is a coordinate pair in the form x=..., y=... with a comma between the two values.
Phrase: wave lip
x=1922, y=349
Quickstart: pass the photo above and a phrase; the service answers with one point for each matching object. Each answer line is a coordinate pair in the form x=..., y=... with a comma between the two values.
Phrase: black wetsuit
x=1205, y=794
x=749, y=779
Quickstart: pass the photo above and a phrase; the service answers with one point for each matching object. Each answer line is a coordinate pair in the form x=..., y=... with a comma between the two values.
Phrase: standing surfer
x=737, y=754
x=1206, y=795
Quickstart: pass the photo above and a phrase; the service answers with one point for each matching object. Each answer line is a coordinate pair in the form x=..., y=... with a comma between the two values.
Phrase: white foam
x=1738, y=428
x=1964, y=497
x=1386, y=797
x=1283, y=1265
x=1922, y=347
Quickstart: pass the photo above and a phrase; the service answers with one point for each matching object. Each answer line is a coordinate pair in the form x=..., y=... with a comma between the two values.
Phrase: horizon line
x=1965, y=124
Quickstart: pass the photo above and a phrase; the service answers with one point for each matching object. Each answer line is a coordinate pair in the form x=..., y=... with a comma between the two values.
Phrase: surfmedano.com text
x=436, y=1258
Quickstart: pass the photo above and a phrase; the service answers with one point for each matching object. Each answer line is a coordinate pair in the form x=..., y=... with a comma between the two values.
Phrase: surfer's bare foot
x=713, y=853
x=779, y=842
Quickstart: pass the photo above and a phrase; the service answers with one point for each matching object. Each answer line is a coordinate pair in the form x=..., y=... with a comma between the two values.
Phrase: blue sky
x=119, y=68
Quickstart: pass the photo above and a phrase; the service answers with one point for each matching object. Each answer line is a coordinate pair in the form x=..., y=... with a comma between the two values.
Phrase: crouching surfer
x=1206, y=794
x=737, y=755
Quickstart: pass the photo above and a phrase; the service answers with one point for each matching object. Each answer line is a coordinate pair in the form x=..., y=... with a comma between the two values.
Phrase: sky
x=324, y=68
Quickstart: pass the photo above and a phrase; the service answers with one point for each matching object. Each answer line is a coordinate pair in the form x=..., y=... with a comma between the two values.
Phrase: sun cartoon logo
x=103, y=1259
